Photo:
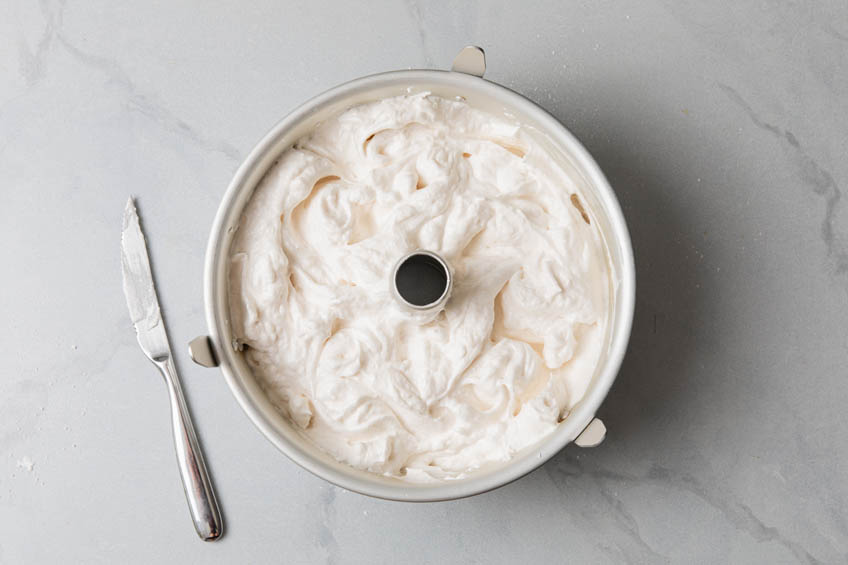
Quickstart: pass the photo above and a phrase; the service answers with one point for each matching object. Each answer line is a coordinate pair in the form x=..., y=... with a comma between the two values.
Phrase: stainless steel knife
x=147, y=319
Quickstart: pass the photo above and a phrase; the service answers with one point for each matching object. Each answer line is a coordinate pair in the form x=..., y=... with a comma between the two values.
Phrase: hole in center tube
x=421, y=280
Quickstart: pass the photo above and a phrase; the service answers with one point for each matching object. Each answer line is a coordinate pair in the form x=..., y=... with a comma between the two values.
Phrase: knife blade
x=139, y=288
x=150, y=330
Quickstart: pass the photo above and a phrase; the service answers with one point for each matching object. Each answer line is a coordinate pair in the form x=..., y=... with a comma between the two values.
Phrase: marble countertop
x=723, y=130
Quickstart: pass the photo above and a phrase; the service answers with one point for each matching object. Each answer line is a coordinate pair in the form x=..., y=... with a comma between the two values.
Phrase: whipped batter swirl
x=420, y=396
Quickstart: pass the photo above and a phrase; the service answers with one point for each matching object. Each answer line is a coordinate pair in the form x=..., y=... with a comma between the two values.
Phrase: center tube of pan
x=421, y=280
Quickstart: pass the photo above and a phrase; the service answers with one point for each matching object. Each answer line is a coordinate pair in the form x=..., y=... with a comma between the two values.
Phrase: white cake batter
x=420, y=396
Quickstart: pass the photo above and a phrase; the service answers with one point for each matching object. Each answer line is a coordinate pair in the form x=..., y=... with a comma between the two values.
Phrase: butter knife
x=150, y=329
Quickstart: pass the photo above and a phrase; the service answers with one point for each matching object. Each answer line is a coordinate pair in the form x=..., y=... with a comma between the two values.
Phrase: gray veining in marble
x=723, y=128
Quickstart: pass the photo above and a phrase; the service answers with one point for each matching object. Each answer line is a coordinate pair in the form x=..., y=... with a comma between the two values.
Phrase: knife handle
x=196, y=483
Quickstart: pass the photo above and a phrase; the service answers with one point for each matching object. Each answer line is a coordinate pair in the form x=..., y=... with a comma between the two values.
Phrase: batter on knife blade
x=421, y=396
